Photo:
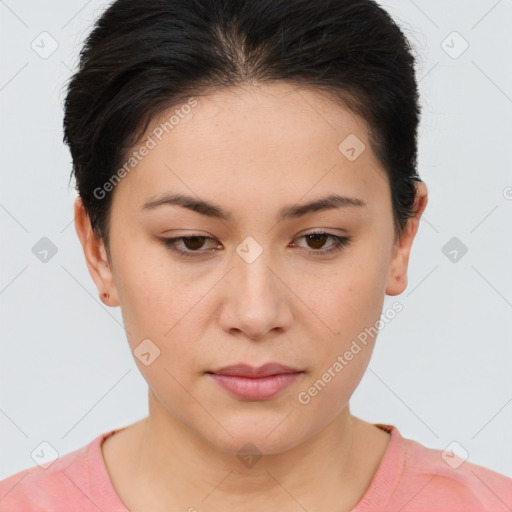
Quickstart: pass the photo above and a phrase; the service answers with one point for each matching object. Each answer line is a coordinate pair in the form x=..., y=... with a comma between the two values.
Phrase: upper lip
x=245, y=370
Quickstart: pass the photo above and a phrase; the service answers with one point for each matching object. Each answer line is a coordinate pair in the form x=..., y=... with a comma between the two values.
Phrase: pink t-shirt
x=411, y=477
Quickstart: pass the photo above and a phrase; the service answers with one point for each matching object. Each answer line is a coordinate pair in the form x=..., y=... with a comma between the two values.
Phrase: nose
x=255, y=302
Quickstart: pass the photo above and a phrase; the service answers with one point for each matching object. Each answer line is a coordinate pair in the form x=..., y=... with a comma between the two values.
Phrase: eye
x=192, y=245
x=189, y=246
x=319, y=238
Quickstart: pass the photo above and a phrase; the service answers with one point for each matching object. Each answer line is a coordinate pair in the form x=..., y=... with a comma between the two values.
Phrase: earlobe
x=397, y=280
x=95, y=256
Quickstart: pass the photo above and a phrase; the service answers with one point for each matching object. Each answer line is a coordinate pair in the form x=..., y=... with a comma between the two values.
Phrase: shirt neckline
x=378, y=493
x=388, y=474
x=100, y=483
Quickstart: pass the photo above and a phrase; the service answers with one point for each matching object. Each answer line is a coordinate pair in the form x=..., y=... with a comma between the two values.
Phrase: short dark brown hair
x=142, y=58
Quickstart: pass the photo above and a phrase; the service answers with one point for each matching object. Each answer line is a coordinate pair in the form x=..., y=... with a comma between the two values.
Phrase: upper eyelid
x=318, y=231
x=207, y=237
x=337, y=240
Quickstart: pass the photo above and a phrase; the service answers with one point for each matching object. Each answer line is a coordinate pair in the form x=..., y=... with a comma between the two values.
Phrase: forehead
x=256, y=144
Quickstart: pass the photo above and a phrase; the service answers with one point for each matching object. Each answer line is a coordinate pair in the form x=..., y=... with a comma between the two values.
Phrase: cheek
x=351, y=306
x=152, y=295
x=350, y=299
x=330, y=388
x=162, y=303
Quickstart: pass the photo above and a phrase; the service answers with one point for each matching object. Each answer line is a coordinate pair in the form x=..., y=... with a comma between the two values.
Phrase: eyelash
x=340, y=243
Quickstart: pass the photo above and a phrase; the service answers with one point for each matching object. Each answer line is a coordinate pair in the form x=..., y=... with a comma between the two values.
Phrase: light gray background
x=441, y=371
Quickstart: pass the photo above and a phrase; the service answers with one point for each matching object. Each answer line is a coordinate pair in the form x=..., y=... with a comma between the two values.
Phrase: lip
x=255, y=383
x=245, y=370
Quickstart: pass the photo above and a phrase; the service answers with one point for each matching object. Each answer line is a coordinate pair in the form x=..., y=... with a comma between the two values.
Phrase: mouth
x=255, y=383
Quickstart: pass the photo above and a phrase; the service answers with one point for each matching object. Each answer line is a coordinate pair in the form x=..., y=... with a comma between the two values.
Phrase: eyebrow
x=209, y=209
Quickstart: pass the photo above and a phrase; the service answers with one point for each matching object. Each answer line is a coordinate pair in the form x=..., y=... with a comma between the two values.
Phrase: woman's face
x=256, y=290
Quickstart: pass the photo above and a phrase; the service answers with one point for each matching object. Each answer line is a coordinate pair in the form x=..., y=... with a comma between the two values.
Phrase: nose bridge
x=254, y=303
x=254, y=280
x=251, y=262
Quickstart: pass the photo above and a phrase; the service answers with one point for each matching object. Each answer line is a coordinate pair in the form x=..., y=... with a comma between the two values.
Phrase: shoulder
x=433, y=479
x=63, y=484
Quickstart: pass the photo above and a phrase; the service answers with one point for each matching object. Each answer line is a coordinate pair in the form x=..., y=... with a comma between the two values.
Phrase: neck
x=177, y=467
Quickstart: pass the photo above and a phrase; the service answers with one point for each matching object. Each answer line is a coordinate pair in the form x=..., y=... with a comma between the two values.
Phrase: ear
x=95, y=256
x=397, y=280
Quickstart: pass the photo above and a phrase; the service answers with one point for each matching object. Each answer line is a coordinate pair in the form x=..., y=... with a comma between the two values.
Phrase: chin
x=266, y=435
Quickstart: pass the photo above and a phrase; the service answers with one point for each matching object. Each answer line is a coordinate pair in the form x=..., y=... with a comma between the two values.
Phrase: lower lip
x=260, y=388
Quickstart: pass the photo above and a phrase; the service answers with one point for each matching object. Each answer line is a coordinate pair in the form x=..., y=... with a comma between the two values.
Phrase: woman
x=248, y=196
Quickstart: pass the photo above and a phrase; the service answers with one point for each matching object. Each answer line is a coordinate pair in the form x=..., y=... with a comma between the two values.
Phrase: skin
x=252, y=151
